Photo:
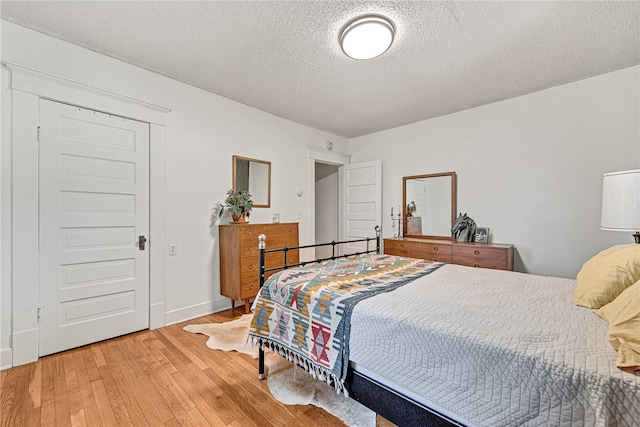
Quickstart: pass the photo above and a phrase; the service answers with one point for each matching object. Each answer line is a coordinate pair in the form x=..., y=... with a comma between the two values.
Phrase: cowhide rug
x=288, y=384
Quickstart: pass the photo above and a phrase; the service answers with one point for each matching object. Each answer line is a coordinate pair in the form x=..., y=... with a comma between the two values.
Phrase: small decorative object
x=238, y=204
x=482, y=235
x=464, y=229
x=399, y=219
x=411, y=208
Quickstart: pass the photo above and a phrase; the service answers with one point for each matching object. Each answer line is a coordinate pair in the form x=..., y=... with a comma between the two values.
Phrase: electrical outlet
x=173, y=249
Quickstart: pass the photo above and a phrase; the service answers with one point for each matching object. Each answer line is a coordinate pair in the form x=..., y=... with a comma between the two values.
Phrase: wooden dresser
x=239, y=267
x=485, y=255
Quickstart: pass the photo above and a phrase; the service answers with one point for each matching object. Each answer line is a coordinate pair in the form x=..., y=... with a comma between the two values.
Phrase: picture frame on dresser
x=482, y=235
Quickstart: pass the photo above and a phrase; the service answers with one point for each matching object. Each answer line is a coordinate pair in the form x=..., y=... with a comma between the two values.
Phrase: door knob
x=141, y=241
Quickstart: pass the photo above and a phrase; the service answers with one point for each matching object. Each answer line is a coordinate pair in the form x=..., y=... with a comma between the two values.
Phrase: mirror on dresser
x=432, y=198
x=253, y=175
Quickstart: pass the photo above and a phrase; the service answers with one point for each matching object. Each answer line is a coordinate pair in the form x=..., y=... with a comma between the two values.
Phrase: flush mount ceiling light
x=367, y=37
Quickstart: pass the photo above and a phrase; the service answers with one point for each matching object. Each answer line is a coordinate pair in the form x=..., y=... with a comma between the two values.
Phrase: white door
x=94, y=205
x=361, y=203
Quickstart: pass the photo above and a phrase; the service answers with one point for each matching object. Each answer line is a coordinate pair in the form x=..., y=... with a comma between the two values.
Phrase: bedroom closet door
x=361, y=200
x=94, y=219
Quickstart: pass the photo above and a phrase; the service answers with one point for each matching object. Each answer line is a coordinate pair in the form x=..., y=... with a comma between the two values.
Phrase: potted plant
x=411, y=208
x=238, y=204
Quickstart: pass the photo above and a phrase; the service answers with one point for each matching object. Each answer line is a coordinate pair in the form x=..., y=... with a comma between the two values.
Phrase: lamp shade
x=621, y=201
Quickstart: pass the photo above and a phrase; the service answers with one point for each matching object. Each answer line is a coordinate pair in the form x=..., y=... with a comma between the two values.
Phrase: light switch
x=173, y=249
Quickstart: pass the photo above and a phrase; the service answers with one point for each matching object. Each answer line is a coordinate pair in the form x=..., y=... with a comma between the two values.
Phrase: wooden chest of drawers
x=485, y=255
x=239, y=267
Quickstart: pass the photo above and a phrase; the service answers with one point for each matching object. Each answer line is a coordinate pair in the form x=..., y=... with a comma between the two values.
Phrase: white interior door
x=361, y=203
x=94, y=205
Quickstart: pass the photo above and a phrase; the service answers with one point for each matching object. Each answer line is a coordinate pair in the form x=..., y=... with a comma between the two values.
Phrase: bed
x=427, y=343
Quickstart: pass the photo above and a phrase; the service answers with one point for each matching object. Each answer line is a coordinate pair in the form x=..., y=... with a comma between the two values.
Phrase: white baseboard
x=157, y=316
x=6, y=358
x=182, y=314
x=25, y=346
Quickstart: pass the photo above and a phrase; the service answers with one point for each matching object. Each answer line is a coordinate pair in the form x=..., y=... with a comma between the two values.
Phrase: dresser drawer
x=252, y=233
x=251, y=267
x=479, y=252
x=496, y=264
x=435, y=249
x=406, y=248
x=436, y=257
x=249, y=289
x=250, y=245
x=250, y=284
x=401, y=245
x=274, y=259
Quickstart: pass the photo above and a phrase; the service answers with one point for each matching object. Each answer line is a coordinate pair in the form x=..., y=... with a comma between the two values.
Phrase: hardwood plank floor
x=165, y=377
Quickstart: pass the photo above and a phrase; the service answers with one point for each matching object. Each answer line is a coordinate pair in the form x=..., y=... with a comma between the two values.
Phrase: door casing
x=27, y=86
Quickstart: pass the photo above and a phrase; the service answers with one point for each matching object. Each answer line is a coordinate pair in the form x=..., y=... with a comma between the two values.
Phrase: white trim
x=44, y=85
x=157, y=315
x=329, y=157
x=24, y=206
x=157, y=227
x=6, y=358
x=25, y=346
x=5, y=224
x=197, y=310
x=321, y=156
x=24, y=203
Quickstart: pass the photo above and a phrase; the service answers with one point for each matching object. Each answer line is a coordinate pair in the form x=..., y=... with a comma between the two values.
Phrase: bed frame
x=376, y=396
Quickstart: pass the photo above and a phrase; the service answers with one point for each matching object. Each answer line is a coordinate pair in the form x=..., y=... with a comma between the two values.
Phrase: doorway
x=326, y=207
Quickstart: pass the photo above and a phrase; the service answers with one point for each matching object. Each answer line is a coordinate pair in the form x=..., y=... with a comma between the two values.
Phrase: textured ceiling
x=284, y=57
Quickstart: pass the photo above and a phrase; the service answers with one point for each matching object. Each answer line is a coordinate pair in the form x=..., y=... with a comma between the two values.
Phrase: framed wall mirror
x=429, y=205
x=253, y=175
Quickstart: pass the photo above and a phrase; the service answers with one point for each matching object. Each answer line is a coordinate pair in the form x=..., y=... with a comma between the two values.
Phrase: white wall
x=530, y=168
x=203, y=131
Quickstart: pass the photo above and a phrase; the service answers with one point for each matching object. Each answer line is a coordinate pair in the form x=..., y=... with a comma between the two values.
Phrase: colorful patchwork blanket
x=304, y=313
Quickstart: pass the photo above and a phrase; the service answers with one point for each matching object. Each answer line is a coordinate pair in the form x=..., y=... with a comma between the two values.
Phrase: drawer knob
x=477, y=252
x=290, y=229
x=250, y=266
x=402, y=245
x=250, y=247
x=251, y=286
x=435, y=249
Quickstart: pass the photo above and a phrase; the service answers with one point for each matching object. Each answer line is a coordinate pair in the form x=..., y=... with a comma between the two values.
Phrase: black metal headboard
x=285, y=250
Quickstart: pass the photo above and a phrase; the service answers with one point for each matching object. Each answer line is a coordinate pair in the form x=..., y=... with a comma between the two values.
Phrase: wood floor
x=150, y=378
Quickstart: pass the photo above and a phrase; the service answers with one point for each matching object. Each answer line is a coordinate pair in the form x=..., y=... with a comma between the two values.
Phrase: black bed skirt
x=391, y=405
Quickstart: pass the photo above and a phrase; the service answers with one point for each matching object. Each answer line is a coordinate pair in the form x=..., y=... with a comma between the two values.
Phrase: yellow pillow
x=623, y=315
x=606, y=275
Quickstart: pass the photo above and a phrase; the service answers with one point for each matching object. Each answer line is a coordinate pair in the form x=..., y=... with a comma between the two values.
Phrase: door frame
x=27, y=86
x=330, y=158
